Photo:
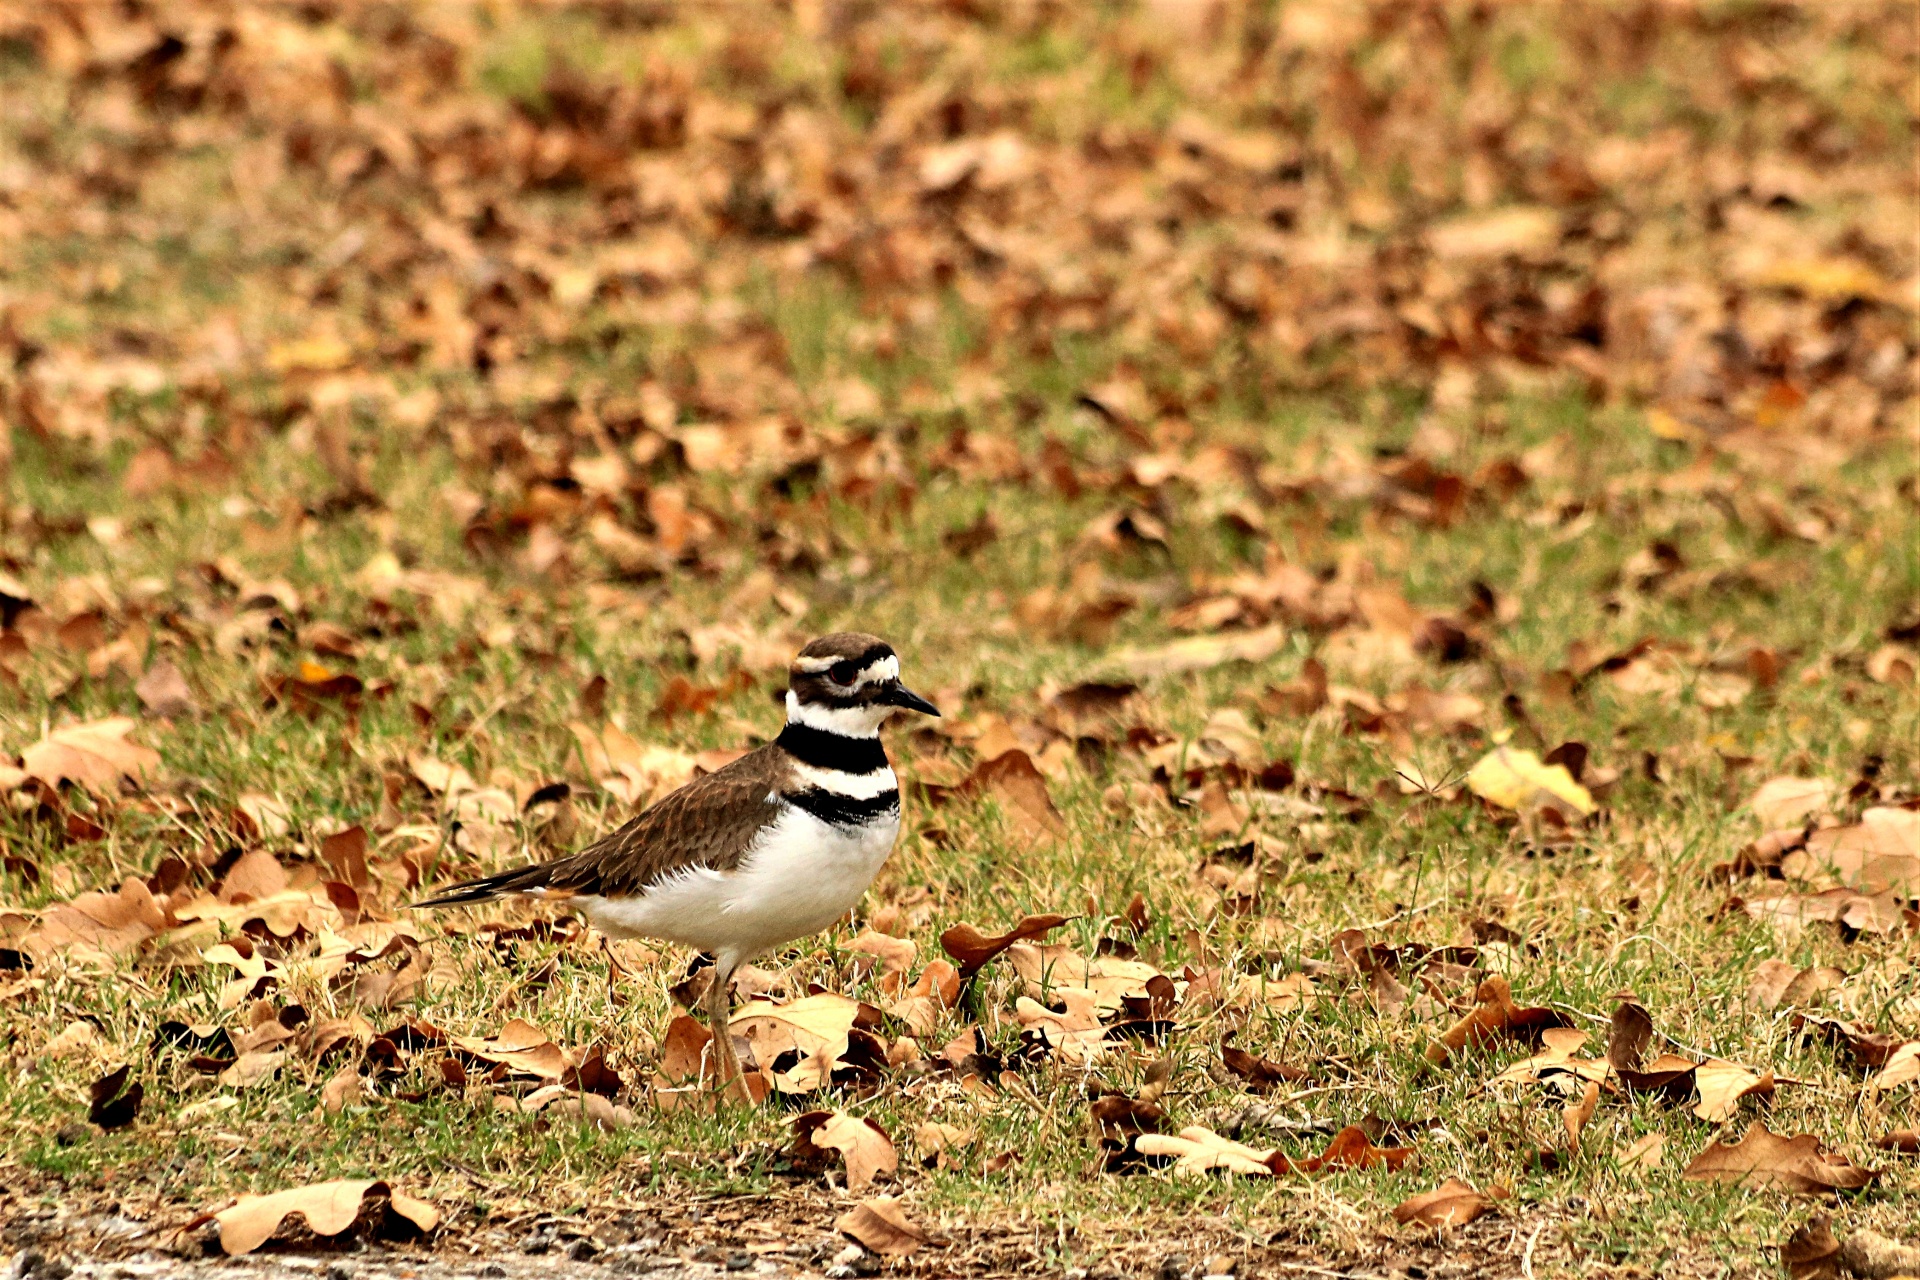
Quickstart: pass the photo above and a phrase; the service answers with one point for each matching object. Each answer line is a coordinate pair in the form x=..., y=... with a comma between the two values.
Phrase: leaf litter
x=556, y=388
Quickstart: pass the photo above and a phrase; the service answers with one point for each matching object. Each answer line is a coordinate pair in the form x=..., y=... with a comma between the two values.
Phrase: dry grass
x=541, y=367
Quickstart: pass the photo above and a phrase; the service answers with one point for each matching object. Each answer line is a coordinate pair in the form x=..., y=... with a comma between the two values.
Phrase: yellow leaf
x=319, y=354
x=1515, y=779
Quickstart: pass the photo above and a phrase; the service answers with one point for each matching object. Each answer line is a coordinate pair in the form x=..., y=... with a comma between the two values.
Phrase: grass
x=1813, y=562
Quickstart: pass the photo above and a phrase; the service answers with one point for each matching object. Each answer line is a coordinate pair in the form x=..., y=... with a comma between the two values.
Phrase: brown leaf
x=112, y=1103
x=884, y=1227
x=864, y=1146
x=1879, y=854
x=328, y=1207
x=972, y=949
x=163, y=691
x=1775, y=982
x=684, y=1051
x=1350, y=1148
x=1872, y=1256
x=1200, y=653
x=1016, y=782
x=1766, y=1159
x=1117, y=1118
x=111, y=923
x=1495, y=1015
x=935, y=1141
x=1627, y=1039
x=1722, y=1084
x=1905, y=1141
x=1452, y=1204
x=1788, y=801
x=523, y=1048
x=96, y=755
x=1574, y=1116
x=1643, y=1153
x=345, y=853
x=1811, y=1252
x=341, y=1089
x=1261, y=1074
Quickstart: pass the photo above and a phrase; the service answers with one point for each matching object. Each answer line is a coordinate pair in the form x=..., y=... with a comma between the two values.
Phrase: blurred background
x=584, y=257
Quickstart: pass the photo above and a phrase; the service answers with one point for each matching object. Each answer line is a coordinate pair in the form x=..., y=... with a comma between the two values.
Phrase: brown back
x=708, y=823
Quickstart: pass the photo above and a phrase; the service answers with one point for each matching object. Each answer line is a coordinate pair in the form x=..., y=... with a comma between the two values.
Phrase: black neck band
x=826, y=750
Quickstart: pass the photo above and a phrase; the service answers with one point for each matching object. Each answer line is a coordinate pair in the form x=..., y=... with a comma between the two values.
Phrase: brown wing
x=710, y=822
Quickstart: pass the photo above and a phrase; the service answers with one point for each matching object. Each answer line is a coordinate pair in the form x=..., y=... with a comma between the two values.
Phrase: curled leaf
x=884, y=1227
x=328, y=1207
x=971, y=949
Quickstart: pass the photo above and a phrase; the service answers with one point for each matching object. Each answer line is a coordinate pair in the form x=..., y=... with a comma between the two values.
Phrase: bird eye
x=843, y=673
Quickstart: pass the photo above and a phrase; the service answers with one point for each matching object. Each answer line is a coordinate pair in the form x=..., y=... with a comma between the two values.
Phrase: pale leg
x=727, y=1078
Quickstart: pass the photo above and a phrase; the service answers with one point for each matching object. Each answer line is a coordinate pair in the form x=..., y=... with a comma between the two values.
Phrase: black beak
x=898, y=695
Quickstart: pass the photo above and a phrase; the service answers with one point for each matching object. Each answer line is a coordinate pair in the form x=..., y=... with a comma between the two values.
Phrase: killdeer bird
x=777, y=845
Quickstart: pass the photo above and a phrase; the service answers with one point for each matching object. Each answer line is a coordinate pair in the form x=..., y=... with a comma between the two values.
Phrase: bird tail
x=533, y=879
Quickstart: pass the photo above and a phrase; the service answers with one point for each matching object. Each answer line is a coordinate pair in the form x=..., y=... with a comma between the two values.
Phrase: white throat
x=848, y=722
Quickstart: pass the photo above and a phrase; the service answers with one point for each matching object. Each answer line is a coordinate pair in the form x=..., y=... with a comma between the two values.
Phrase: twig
x=1526, y=1258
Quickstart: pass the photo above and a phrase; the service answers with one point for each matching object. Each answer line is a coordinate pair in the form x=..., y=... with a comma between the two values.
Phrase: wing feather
x=710, y=822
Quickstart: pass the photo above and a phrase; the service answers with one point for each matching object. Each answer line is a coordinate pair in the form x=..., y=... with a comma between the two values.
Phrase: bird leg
x=614, y=970
x=728, y=1081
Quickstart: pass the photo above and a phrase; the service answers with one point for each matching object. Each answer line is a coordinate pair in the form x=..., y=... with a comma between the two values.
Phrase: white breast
x=799, y=877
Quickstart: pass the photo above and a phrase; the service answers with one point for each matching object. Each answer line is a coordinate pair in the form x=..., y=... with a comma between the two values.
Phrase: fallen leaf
x=1787, y=802
x=1560, y=1047
x=163, y=691
x=96, y=755
x=684, y=1051
x=884, y=1227
x=1877, y=855
x=1811, y=1252
x=1199, y=1150
x=862, y=1144
x=1775, y=982
x=1872, y=1256
x=1575, y=1115
x=1517, y=780
x=112, y=1103
x=1451, y=1204
x=1261, y=1074
x=1629, y=1033
x=341, y=1089
x=522, y=1047
x=816, y=1028
x=1350, y=1148
x=1766, y=1159
x=1905, y=1141
x=1722, y=1084
x=1643, y=1153
x=328, y=1207
x=1016, y=782
x=972, y=949
x=1200, y=653
x=1902, y=1067
x=1494, y=1015
x=935, y=1142
x=250, y=1069
x=889, y=957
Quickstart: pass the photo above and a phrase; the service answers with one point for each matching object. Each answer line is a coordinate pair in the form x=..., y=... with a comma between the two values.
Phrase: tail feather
x=487, y=888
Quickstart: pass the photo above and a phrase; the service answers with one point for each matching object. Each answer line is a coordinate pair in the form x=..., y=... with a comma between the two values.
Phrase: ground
x=1408, y=511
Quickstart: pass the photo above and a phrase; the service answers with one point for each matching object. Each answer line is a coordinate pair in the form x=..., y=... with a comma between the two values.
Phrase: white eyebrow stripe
x=854, y=786
x=887, y=668
x=813, y=666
